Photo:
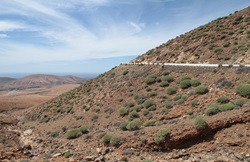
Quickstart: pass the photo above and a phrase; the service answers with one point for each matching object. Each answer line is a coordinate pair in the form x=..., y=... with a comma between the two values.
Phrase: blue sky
x=92, y=36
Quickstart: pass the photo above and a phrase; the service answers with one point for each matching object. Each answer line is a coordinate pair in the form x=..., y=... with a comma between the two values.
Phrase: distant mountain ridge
x=4, y=80
x=40, y=80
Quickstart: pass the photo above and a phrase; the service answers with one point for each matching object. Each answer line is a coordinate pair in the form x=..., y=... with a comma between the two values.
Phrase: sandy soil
x=20, y=99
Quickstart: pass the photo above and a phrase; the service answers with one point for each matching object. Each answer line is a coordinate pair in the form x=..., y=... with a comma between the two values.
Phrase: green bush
x=129, y=104
x=140, y=101
x=152, y=108
x=145, y=112
x=67, y=155
x=201, y=89
x=184, y=78
x=148, y=103
x=114, y=141
x=153, y=93
x=164, y=84
x=94, y=118
x=218, y=50
x=164, y=110
x=226, y=44
x=106, y=139
x=84, y=129
x=147, y=161
x=134, y=125
x=150, y=79
x=177, y=97
x=195, y=82
x=73, y=133
x=136, y=108
x=167, y=78
x=160, y=136
x=132, y=115
x=171, y=90
x=200, y=123
x=125, y=72
x=240, y=102
x=150, y=122
x=193, y=103
x=243, y=90
x=158, y=80
x=185, y=84
x=165, y=72
x=210, y=46
x=180, y=101
x=212, y=110
x=226, y=107
x=54, y=134
x=123, y=111
x=123, y=126
x=223, y=100
x=168, y=104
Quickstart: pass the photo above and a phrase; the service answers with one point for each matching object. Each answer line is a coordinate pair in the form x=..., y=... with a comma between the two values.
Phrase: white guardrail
x=193, y=65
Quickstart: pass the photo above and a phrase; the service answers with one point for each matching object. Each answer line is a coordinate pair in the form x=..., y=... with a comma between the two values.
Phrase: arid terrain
x=148, y=112
x=21, y=99
x=38, y=81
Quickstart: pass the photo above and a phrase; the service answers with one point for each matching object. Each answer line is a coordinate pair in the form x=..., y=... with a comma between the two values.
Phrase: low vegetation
x=200, y=123
x=150, y=79
x=244, y=90
x=134, y=125
x=201, y=89
x=161, y=135
x=73, y=133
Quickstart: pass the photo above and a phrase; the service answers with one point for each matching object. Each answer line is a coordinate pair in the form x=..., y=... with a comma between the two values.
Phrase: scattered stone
x=238, y=156
x=56, y=155
x=100, y=159
x=27, y=132
x=99, y=150
x=105, y=151
x=89, y=158
x=127, y=152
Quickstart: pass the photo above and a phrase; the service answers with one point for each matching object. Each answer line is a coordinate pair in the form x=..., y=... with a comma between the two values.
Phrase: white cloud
x=3, y=35
x=10, y=26
x=68, y=37
x=138, y=27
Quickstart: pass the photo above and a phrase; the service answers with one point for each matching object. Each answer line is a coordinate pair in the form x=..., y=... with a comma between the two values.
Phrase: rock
x=99, y=150
x=100, y=159
x=105, y=151
x=71, y=160
x=56, y=155
x=27, y=144
x=239, y=135
x=89, y=158
x=27, y=132
x=127, y=152
x=238, y=156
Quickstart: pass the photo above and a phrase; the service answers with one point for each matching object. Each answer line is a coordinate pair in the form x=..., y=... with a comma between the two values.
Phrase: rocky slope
x=225, y=40
x=41, y=80
x=152, y=112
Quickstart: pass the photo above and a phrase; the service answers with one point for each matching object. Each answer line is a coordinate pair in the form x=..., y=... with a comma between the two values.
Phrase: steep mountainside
x=225, y=40
x=41, y=80
x=151, y=112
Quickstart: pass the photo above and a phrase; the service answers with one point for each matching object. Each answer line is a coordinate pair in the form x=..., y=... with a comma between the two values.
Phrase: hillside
x=151, y=112
x=4, y=80
x=41, y=80
x=225, y=40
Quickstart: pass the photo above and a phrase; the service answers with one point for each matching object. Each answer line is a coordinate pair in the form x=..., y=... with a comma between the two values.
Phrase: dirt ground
x=21, y=99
